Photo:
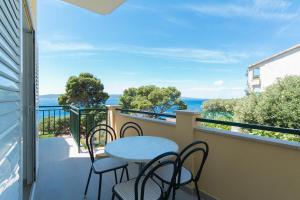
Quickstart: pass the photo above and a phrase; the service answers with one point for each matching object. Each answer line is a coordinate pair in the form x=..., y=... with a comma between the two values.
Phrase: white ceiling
x=98, y=6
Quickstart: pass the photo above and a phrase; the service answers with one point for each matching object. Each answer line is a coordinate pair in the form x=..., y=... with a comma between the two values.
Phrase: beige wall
x=150, y=127
x=33, y=11
x=239, y=167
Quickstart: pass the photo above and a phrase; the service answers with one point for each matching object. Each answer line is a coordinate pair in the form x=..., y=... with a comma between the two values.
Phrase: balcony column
x=185, y=123
x=111, y=115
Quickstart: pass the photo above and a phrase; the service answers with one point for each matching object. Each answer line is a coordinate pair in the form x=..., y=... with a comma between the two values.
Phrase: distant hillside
x=56, y=95
x=117, y=96
x=49, y=96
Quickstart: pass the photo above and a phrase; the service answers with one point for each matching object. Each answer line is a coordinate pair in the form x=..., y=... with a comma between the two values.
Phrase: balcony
x=62, y=174
x=256, y=80
x=239, y=166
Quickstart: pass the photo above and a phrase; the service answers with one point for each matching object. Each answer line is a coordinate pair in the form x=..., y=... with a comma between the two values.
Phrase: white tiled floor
x=63, y=172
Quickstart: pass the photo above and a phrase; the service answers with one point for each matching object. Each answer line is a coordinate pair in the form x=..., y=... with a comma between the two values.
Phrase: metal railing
x=83, y=119
x=53, y=119
x=252, y=126
x=69, y=120
x=220, y=122
x=75, y=124
x=151, y=114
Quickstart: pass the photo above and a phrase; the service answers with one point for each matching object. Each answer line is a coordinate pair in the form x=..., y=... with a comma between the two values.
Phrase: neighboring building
x=18, y=92
x=267, y=71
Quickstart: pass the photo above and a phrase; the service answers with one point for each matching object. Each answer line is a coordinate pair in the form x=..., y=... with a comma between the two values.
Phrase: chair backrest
x=131, y=125
x=167, y=159
x=195, y=147
x=104, y=132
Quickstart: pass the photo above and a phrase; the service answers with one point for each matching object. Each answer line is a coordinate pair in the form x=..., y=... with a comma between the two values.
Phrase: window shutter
x=10, y=100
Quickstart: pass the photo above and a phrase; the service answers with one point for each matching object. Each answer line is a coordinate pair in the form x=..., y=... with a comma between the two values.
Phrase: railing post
x=43, y=122
x=79, y=129
x=54, y=131
x=111, y=115
x=185, y=124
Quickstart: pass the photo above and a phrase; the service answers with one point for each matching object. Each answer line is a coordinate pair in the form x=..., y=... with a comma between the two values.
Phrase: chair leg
x=174, y=193
x=113, y=196
x=122, y=175
x=87, y=184
x=197, y=190
x=116, y=179
x=127, y=174
x=99, y=189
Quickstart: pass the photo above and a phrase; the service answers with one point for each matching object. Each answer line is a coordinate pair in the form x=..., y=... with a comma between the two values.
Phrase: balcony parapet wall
x=239, y=166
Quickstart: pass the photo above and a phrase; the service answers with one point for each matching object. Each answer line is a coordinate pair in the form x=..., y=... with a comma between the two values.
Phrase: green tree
x=215, y=108
x=152, y=98
x=84, y=90
x=278, y=105
x=246, y=109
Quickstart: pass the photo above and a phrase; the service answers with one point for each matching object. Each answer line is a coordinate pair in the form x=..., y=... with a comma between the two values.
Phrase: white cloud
x=187, y=54
x=219, y=83
x=128, y=73
x=137, y=7
x=52, y=47
x=178, y=21
x=215, y=88
x=271, y=4
x=259, y=9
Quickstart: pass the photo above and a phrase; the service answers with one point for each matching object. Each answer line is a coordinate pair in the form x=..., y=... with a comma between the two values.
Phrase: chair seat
x=165, y=174
x=125, y=190
x=108, y=164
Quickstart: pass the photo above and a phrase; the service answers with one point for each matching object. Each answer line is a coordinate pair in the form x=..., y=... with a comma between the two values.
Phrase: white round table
x=140, y=149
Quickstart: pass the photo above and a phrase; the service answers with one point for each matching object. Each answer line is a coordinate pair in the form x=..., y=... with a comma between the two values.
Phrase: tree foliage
x=246, y=109
x=84, y=90
x=152, y=98
x=278, y=105
x=219, y=107
x=57, y=127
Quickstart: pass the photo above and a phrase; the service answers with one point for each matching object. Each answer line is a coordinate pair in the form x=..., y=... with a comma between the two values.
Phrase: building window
x=256, y=73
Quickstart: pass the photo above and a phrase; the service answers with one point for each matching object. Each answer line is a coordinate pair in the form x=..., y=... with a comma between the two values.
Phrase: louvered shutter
x=10, y=100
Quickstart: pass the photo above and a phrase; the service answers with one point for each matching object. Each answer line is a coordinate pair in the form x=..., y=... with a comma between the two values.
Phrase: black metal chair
x=131, y=125
x=103, y=165
x=144, y=187
x=184, y=176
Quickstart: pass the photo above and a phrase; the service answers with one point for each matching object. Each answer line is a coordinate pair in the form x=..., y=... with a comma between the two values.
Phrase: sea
x=193, y=104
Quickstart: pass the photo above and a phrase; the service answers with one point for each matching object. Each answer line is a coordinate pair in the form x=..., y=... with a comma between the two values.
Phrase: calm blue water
x=193, y=104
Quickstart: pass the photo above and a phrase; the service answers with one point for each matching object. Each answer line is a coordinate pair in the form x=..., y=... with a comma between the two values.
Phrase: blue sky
x=201, y=47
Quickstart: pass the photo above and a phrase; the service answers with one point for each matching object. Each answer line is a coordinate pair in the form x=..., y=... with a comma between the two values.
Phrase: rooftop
x=276, y=56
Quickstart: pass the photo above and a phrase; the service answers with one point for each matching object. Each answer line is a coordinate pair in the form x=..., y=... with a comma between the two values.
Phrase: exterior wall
x=239, y=166
x=287, y=65
x=150, y=127
x=247, y=168
x=279, y=67
x=10, y=100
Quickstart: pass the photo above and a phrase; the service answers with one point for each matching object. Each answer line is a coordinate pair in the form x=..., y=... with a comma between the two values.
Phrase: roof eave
x=103, y=7
x=274, y=56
